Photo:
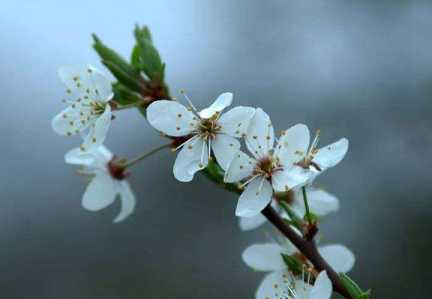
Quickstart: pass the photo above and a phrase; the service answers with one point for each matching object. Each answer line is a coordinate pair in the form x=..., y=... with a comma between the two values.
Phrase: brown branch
x=308, y=248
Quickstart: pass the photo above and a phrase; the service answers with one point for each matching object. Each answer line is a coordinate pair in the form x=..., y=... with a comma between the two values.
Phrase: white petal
x=240, y=167
x=127, y=198
x=223, y=101
x=78, y=157
x=322, y=288
x=68, y=122
x=100, y=193
x=302, y=289
x=99, y=86
x=291, y=178
x=250, y=223
x=338, y=256
x=330, y=155
x=103, y=154
x=224, y=148
x=254, y=198
x=293, y=144
x=171, y=118
x=86, y=83
x=236, y=121
x=97, y=133
x=260, y=134
x=72, y=77
x=191, y=158
x=264, y=257
x=320, y=202
x=275, y=285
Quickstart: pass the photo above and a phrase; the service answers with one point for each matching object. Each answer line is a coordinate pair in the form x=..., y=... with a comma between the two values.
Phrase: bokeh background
x=361, y=69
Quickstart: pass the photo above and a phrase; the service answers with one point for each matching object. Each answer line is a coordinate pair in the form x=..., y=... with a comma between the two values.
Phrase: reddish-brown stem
x=308, y=248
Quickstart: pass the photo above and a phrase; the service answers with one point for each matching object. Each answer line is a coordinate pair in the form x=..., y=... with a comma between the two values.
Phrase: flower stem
x=308, y=248
x=124, y=107
x=308, y=215
x=145, y=155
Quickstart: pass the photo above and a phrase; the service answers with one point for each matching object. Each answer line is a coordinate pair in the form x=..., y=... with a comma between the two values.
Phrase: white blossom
x=87, y=95
x=279, y=168
x=283, y=285
x=320, y=202
x=205, y=131
x=103, y=188
x=267, y=257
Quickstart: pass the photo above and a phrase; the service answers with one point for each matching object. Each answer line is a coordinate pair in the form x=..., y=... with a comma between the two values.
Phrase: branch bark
x=308, y=248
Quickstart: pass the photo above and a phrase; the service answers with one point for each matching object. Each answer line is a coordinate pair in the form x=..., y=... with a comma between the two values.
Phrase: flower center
x=97, y=107
x=307, y=161
x=267, y=166
x=208, y=127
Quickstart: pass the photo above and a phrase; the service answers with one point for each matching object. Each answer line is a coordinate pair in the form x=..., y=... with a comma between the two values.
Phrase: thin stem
x=145, y=155
x=128, y=106
x=308, y=214
x=308, y=248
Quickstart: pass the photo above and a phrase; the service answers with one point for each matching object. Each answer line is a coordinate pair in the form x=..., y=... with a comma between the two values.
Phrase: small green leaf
x=125, y=96
x=145, y=57
x=119, y=67
x=142, y=33
x=353, y=288
x=365, y=295
x=293, y=263
x=123, y=77
x=313, y=217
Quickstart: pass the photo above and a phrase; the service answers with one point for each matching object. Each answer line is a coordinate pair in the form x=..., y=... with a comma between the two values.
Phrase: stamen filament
x=183, y=92
x=250, y=180
x=186, y=142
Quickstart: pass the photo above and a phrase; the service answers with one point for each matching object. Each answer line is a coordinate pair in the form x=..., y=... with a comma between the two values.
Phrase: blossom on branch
x=280, y=168
x=321, y=203
x=206, y=131
x=283, y=285
x=267, y=257
x=107, y=183
x=88, y=94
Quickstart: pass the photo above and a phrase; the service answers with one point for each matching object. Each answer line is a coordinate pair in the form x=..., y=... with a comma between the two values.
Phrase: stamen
x=183, y=92
x=314, y=143
x=249, y=180
x=186, y=142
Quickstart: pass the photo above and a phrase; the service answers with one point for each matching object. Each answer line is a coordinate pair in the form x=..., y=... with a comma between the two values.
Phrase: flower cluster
x=276, y=171
x=272, y=168
x=88, y=96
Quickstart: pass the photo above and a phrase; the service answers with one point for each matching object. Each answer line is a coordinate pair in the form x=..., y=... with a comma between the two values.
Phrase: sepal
x=125, y=96
x=353, y=288
x=293, y=263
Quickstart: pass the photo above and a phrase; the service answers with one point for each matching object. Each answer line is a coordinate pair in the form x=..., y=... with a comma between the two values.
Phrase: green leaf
x=293, y=263
x=125, y=96
x=353, y=288
x=142, y=33
x=313, y=217
x=123, y=77
x=119, y=67
x=145, y=56
x=365, y=295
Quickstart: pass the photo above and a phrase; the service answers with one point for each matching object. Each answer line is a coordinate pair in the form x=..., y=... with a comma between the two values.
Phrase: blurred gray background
x=360, y=69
